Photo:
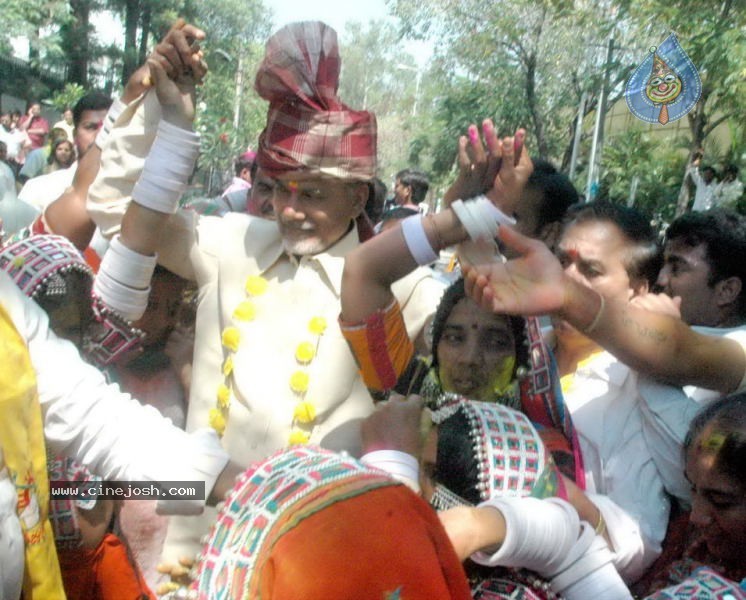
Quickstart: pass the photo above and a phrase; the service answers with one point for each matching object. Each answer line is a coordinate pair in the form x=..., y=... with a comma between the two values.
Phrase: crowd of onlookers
x=559, y=411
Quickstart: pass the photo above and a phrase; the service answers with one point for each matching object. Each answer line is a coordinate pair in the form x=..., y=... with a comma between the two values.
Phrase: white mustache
x=305, y=226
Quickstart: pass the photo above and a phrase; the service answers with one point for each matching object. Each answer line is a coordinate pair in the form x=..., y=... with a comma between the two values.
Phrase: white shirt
x=667, y=413
x=703, y=194
x=98, y=425
x=622, y=479
x=42, y=190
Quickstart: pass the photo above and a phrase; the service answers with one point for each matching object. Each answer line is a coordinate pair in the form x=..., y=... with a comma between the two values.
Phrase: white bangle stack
x=416, y=239
x=167, y=168
x=111, y=117
x=480, y=217
x=123, y=280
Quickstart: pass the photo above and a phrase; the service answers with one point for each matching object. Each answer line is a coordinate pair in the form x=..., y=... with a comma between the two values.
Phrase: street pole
x=578, y=134
x=594, y=165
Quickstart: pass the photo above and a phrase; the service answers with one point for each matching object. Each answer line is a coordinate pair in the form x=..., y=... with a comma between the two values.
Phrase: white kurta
x=97, y=424
x=220, y=253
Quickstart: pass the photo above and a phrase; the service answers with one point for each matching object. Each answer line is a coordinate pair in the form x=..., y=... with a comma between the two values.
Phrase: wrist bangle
x=601, y=525
x=597, y=319
x=167, y=168
x=417, y=242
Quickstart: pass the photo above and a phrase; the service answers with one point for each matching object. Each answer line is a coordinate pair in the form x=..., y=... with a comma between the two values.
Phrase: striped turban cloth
x=308, y=126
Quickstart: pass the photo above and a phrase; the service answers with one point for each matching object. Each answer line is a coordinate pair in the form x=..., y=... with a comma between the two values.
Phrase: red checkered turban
x=308, y=126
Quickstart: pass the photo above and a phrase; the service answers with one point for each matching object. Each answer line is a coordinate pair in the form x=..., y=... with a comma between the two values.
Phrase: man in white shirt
x=704, y=183
x=88, y=114
x=271, y=367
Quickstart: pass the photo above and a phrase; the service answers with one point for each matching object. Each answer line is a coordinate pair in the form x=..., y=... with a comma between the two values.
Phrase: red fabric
x=308, y=126
x=105, y=573
x=384, y=544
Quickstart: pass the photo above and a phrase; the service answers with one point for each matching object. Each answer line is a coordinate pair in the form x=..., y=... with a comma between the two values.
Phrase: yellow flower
x=299, y=382
x=217, y=420
x=317, y=325
x=228, y=366
x=256, y=285
x=246, y=311
x=298, y=437
x=305, y=352
x=305, y=412
x=231, y=338
x=224, y=396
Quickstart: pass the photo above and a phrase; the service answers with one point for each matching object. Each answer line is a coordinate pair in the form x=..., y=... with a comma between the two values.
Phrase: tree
x=712, y=33
x=518, y=62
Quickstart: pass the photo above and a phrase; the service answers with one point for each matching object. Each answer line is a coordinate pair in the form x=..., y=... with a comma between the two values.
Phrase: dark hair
x=723, y=233
x=376, y=199
x=77, y=291
x=451, y=297
x=708, y=168
x=726, y=418
x=456, y=466
x=643, y=258
x=417, y=181
x=91, y=101
x=243, y=162
x=558, y=192
x=52, y=158
x=730, y=169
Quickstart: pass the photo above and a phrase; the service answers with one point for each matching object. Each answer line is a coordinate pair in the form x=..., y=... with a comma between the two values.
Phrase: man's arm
x=373, y=267
x=659, y=345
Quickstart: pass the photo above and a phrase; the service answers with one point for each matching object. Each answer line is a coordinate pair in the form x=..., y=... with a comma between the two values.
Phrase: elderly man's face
x=314, y=212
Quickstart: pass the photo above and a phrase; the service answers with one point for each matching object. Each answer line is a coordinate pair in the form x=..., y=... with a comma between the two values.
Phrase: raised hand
x=515, y=169
x=477, y=166
x=176, y=67
x=394, y=425
x=531, y=284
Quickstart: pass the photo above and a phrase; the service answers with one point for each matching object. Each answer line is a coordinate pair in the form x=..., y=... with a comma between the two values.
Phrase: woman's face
x=718, y=503
x=64, y=154
x=475, y=351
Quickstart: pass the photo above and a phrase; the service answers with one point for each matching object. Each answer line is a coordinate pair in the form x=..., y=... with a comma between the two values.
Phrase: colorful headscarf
x=308, y=126
x=39, y=262
x=313, y=524
x=510, y=457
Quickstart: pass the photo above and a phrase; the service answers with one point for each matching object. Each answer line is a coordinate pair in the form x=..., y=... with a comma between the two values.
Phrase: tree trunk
x=531, y=100
x=147, y=13
x=697, y=122
x=75, y=36
x=131, y=19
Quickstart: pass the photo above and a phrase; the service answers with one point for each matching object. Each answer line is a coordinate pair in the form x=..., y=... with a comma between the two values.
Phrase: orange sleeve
x=380, y=346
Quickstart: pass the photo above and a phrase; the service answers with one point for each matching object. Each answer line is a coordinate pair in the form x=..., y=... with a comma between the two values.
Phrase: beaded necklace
x=304, y=414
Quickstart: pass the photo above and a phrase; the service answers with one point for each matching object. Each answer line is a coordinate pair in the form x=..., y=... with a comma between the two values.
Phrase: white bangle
x=131, y=268
x=480, y=217
x=167, y=168
x=416, y=240
x=400, y=465
x=128, y=302
x=110, y=119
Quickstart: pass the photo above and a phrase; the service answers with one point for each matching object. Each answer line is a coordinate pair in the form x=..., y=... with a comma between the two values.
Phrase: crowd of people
x=561, y=415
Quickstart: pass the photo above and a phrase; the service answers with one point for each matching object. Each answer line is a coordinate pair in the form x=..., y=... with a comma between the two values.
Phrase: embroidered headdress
x=311, y=523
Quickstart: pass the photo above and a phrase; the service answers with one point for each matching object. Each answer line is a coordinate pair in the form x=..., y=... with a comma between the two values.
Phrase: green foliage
x=68, y=96
x=657, y=165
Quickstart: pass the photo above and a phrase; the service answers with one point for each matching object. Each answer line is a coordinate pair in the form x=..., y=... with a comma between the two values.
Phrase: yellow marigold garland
x=305, y=412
